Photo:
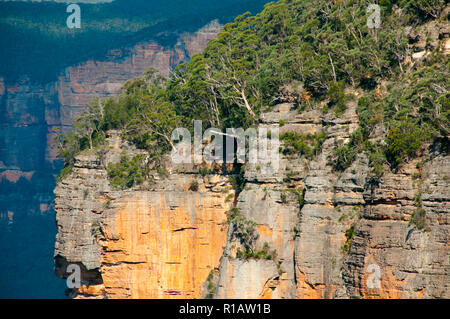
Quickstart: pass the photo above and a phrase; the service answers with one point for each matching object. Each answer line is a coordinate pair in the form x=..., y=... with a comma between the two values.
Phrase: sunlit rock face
x=158, y=242
x=166, y=241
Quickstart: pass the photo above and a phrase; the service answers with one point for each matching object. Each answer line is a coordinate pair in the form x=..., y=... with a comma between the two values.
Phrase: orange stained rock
x=420, y=293
x=267, y=293
x=93, y=290
x=390, y=286
x=264, y=231
x=305, y=290
x=160, y=245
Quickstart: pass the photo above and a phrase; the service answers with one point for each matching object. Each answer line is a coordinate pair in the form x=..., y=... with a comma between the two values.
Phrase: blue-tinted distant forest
x=35, y=40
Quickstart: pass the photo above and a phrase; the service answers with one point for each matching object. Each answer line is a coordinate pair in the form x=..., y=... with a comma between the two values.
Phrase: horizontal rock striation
x=161, y=242
x=169, y=242
x=302, y=231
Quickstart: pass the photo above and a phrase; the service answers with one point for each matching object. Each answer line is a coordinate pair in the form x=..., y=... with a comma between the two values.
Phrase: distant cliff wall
x=31, y=115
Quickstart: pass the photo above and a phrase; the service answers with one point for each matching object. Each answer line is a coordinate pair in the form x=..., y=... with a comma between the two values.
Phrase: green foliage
x=343, y=157
x=238, y=180
x=128, y=173
x=377, y=161
x=320, y=46
x=244, y=232
x=349, y=234
x=418, y=112
x=403, y=142
x=353, y=215
x=203, y=171
x=85, y=135
x=152, y=116
x=415, y=110
x=424, y=9
x=211, y=288
x=419, y=219
x=295, y=143
x=142, y=113
x=308, y=145
x=296, y=232
x=300, y=194
x=229, y=198
x=193, y=186
x=336, y=97
x=283, y=198
x=264, y=253
x=301, y=198
x=65, y=172
x=107, y=204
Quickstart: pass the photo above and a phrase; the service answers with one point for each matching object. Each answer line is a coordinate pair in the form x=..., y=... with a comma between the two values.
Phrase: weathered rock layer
x=168, y=242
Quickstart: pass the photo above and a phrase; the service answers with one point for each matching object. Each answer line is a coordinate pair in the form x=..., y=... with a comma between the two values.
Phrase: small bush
x=65, y=172
x=403, y=142
x=295, y=144
x=336, y=97
x=353, y=214
x=343, y=157
x=244, y=231
x=204, y=171
x=238, y=182
x=283, y=198
x=210, y=286
x=301, y=198
x=419, y=219
x=308, y=145
x=349, y=234
x=229, y=198
x=128, y=173
x=265, y=253
x=193, y=186
x=377, y=160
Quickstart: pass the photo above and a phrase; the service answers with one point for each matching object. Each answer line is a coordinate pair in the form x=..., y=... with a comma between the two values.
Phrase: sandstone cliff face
x=167, y=242
x=306, y=238
x=413, y=264
x=163, y=242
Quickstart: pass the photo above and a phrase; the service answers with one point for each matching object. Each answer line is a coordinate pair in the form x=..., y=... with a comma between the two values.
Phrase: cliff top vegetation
x=313, y=49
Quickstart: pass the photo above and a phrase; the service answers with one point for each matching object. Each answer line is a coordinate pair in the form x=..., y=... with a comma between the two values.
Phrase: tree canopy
x=316, y=47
